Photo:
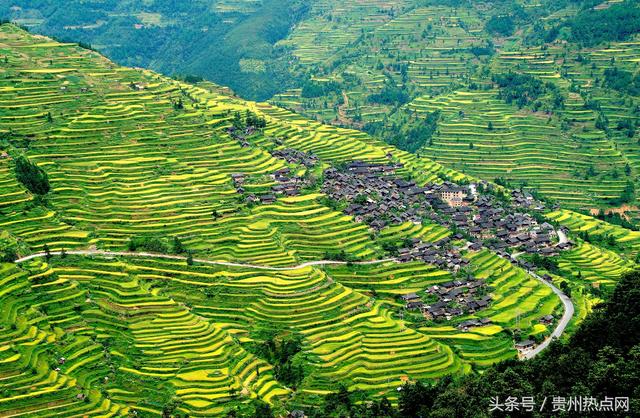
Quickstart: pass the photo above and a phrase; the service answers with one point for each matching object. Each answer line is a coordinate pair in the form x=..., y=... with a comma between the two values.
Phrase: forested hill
x=230, y=42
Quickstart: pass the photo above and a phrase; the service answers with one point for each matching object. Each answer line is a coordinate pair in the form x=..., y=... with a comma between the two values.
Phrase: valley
x=422, y=198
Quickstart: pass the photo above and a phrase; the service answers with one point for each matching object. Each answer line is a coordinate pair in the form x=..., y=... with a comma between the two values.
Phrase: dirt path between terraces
x=200, y=260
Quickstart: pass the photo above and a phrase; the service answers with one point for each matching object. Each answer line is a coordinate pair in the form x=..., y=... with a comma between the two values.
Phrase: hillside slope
x=522, y=91
x=430, y=77
x=138, y=161
x=228, y=41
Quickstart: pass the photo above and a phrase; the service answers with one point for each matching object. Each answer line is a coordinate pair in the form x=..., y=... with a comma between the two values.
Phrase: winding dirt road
x=569, y=310
x=200, y=260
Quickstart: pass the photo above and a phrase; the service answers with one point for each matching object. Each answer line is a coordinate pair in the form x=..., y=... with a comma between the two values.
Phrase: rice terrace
x=314, y=208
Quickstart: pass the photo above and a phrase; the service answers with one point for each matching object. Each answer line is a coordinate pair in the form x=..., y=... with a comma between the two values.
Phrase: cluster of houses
x=286, y=185
x=524, y=199
x=377, y=196
x=241, y=135
x=374, y=195
x=454, y=298
x=293, y=156
x=503, y=227
x=439, y=253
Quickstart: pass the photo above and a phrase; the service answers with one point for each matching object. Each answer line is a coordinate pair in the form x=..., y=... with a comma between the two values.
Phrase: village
x=454, y=298
x=374, y=194
x=478, y=216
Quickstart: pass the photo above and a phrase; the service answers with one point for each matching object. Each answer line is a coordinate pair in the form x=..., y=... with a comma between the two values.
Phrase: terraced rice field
x=130, y=154
x=432, y=42
x=519, y=300
x=628, y=240
x=125, y=160
x=439, y=56
x=520, y=146
x=598, y=266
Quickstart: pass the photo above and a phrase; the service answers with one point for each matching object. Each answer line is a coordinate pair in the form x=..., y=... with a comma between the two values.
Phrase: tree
x=149, y=243
x=602, y=122
x=178, y=247
x=282, y=351
x=63, y=253
x=47, y=252
x=490, y=126
x=189, y=259
x=416, y=400
x=390, y=94
x=237, y=121
x=524, y=89
x=34, y=178
x=615, y=23
x=261, y=409
x=500, y=25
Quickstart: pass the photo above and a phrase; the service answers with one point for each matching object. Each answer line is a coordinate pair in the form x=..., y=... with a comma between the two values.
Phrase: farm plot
x=518, y=300
x=129, y=153
x=626, y=239
x=485, y=137
x=598, y=266
x=110, y=335
x=343, y=331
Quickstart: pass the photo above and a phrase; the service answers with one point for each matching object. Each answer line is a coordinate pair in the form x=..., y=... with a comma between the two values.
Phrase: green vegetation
x=563, y=75
x=500, y=25
x=281, y=351
x=389, y=95
x=616, y=23
x=623, y=81
x=129, y=169
x=155, y=244
x=34, y=178
x=141, y=162
x=602, y=357
x=523, y=89
x=180, y=39
x=410, y=137
x=517, y=94
x=312, y=89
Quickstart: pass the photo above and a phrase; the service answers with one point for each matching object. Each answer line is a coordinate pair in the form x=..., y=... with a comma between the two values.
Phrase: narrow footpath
x=557, y=332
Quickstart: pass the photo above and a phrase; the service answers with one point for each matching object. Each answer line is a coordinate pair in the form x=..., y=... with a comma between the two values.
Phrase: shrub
x=148, y=243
